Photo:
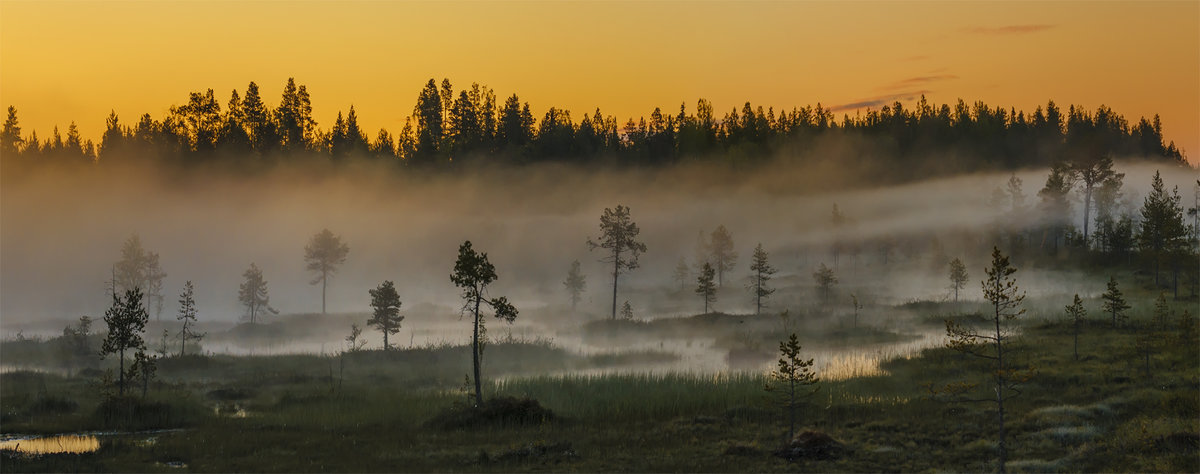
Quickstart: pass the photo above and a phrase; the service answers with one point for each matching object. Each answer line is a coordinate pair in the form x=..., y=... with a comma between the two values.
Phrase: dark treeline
x=449, y=129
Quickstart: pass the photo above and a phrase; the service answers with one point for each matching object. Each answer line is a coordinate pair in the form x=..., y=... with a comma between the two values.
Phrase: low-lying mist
x=62, y=231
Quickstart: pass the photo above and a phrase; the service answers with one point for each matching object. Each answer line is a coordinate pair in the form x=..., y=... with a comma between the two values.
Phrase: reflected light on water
x=73, y=444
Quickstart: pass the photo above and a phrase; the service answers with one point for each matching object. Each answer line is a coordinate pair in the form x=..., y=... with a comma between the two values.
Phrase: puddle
x=71, y=444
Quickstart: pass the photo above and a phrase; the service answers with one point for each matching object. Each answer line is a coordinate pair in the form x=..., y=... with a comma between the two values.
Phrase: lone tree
x=759, y=279
x=1077, y=313
x=1114, y=303
x=323, y=254
x=825, y=280
x=126, y=321
x=617, y=234
x=473, y=273
x=253, y=293
x=958, y=276
x=187, y=315
x=706, y=288
x=993, y=344
x=720, y=246
x=386, y=305
x=575, y=284
x=682, y=272
x=139, y=268
x=793, y=373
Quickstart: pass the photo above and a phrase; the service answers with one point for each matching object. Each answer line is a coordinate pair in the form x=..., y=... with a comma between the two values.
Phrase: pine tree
x=126, y=320
x=682, y=272
x=958, y=276
x=323, y=254
x=1092, y=173
x=617, y=235
x=1055, y=207
x=724, y=258
x=187, y=315
x=706, y=288
x=1077, y=313
x=473, y=273
x=575, y=284
x=825, y=280
x=760, y=277
x=794, y=374
x=253, y=293
x=385, y=303
x=1114, y=303
x=1001, y=291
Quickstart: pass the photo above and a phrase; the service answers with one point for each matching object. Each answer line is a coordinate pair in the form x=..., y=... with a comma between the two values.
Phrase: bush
x=500, y=411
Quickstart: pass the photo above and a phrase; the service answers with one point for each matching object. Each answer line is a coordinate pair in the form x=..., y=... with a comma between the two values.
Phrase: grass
x=373, y=411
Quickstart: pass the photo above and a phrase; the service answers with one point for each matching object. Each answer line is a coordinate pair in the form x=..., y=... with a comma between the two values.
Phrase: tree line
x=473, y=126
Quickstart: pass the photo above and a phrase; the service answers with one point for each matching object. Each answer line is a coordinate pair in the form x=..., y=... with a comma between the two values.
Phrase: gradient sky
x=64, y=61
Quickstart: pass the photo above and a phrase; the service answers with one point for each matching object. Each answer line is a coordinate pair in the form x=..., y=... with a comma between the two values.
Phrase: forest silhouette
x=474, y=128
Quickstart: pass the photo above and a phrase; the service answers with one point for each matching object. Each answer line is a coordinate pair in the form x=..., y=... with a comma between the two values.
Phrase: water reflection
x=73, y=444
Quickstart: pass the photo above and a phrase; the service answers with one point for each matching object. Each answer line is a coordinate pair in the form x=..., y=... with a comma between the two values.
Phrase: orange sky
x=63, y=61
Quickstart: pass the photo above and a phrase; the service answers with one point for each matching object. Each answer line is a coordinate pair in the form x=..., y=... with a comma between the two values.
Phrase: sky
x=77, y=61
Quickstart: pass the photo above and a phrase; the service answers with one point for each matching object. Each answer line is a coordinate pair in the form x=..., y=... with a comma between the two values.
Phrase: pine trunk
x=475, y=353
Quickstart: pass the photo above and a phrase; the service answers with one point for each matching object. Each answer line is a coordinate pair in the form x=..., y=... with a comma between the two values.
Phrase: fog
x=61, y=232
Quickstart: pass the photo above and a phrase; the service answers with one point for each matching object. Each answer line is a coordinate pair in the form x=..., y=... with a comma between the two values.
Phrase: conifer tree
x=1162, y=231
x=793, y=373
x=994, y=344
x=706, y=288
x=473, y=273
x=958, y=276
x=1077, y=313
x=1114, y=303
x=681, y=273
x=253, y=293
x=126, y=321
x=187, y=315
x=724, y=257
x=825, y=280
x=575, y=284
x=618, y=234
x=762, y=271
x=323, y=254
x=385, y=303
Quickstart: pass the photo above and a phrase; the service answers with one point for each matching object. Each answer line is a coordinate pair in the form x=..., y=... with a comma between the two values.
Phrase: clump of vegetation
x=496, y=412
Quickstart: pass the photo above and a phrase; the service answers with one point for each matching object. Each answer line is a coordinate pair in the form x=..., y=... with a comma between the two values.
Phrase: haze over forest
x=211, y=189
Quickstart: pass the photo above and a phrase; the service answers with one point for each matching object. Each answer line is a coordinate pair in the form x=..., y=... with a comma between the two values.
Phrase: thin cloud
x=879, y=101
x=917, y=81
x=1007, y=29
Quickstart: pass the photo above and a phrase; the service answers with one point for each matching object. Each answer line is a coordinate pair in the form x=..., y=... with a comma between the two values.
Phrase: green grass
x=370, y=412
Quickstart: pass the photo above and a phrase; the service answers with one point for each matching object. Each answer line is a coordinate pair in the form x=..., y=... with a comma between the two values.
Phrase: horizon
x=887, y=62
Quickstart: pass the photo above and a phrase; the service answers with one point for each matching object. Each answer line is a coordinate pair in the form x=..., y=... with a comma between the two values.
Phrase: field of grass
x=376, y=411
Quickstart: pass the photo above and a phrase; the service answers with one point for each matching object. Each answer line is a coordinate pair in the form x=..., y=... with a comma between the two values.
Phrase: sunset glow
x=76, y=61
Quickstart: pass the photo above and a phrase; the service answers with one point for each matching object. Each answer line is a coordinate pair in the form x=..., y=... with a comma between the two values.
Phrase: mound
x=812, y=445
x=501, y=411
